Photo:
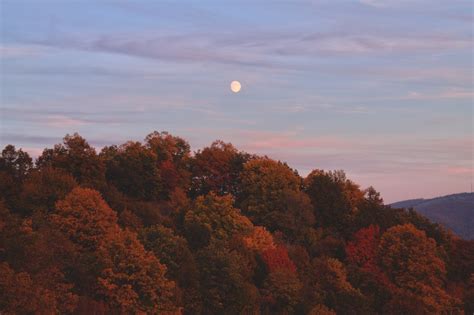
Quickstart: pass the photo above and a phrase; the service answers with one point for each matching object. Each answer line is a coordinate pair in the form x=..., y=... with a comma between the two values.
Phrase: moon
x=235, y=86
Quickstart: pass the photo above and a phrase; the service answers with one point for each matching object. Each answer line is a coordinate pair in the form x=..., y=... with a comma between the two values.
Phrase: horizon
x=380, y=89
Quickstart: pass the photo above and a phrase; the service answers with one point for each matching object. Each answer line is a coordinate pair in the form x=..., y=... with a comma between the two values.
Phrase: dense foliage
x=152, y=228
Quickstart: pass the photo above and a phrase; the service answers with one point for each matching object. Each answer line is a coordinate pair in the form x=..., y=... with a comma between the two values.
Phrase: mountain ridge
x=455, y=211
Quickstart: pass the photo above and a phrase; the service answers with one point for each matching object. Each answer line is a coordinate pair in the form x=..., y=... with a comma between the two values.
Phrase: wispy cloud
x=450, y=93
x=258, y=48
x=59, y=121
x=460, y=170
x=21, y=50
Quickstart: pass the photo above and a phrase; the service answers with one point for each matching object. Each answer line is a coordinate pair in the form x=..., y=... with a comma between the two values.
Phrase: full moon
x=235, y=86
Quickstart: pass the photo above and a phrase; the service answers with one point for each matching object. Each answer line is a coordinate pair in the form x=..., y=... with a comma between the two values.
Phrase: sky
x=382, y=89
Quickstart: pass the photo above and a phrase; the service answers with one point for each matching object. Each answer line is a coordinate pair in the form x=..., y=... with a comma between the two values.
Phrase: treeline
x=148, y=227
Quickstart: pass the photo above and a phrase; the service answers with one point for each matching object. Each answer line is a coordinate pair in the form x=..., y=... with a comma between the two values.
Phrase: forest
x=153, y=228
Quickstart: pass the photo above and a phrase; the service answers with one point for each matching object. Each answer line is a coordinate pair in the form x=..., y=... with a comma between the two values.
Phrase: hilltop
x=455, y=211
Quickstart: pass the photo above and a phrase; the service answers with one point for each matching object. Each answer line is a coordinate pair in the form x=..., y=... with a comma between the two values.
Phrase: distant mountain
x=455, y=212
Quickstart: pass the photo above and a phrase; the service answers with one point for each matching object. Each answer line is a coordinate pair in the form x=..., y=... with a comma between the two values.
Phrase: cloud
x=451, y=93
x=460, y=170
x=76, y=71
x=325, y=107
x=393, y=3
x=21, y=50
x=59, y=121
x=43, y=141
x=60, y=118
x=258, y=48
x=263, y=141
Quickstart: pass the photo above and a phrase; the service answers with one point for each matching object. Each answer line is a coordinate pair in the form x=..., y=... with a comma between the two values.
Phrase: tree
x=263, y=180
x=362, y=251
x=277, y=259
x=77, y=157
x=217, y=168
x=44, y=187
x=337, y=292
x=461, y=260
x=411, y=262
x=282, y=290
x=259, y=240
x=133, y=280
x=85, y=218
x=372, y=211
x=20, y=295
x=335, y=199
x=173, y=158
x=321, y=310
x=173, y=251
x=217, y=215
x=15, y=165
x=271, y=197
x=226, y=280
x=168, y=147
x=133, y=169
x=365, y=272
x=111, y=262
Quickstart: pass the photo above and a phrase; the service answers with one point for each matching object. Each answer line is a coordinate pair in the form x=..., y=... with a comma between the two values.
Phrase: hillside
x=153, y=228
x=455, y=212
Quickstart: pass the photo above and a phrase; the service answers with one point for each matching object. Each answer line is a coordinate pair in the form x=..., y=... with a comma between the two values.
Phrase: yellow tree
x=216, y=215
x=411, y=261
x=112, y=262
x=133, y=279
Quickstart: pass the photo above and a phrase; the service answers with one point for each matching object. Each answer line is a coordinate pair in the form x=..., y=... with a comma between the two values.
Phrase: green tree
x=271, y=197
x=216, y=215
x=173, y=251
x=226, y=281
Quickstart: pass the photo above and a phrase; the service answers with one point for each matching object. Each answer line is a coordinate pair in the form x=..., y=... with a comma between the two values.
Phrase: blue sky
x=380, y=88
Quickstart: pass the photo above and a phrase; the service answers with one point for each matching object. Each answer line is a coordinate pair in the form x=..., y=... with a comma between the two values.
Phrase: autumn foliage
x=152, y=228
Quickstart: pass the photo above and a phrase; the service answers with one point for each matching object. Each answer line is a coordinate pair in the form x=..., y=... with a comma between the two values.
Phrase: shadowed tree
x=77, y=157
x=133, y=169
x=20, y=295
x=335, y=199
x=226, y=281
x=15, y=165
x=332, y=283
x=44, y=187
x=217, y=168
x=173, y=251
x=173, y=158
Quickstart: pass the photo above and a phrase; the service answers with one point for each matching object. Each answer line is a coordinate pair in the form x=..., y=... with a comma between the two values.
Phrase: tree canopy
x=153, y=228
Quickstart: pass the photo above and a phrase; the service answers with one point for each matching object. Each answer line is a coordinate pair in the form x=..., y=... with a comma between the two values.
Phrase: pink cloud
x=251, y=140
x=60, y=121
x=460, y=170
